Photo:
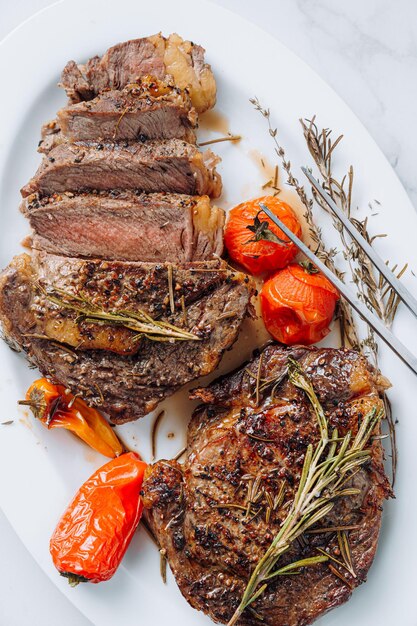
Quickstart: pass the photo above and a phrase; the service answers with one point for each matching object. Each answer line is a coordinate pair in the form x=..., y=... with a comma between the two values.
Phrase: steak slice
x=149, y=109
x=240, y=450
x=170, y=166
x=125, y=226
x=161, y=290
x=126, y=387
x=157, y=56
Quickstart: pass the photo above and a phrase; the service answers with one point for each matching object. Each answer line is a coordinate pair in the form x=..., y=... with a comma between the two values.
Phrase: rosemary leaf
x=297, y=565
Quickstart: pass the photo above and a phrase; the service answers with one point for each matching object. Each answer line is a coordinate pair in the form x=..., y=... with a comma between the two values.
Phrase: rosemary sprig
x=326, y=469
x=138, y=321
x=371, y=287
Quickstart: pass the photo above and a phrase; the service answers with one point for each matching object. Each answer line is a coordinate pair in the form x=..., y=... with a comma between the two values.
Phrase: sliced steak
x=148, y=109
x=170, y=166
x=126, y=226
x=126, y=387
x=128, y=61
x=161, y=290
x=243, y=454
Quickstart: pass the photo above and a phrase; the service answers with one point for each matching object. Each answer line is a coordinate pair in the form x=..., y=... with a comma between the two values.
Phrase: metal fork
x=374, y=322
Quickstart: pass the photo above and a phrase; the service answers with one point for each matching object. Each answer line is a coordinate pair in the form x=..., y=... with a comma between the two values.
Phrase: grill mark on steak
x=211, y=550
x=157, y=56
x=126, y=226
x=169, y=166
x=125, y=387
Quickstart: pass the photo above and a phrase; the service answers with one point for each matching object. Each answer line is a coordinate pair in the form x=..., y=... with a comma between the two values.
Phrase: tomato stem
x=262, y=232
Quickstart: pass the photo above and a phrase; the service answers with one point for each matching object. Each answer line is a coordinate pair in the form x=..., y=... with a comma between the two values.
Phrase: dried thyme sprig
x=327, y=468
x=139, y=321
x=371, y=286
x=348, y=332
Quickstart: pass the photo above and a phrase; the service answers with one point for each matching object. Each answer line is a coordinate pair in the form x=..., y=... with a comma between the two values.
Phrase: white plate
x=40, y=470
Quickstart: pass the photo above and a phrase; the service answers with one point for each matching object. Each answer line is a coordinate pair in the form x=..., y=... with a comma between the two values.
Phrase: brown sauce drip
x=215, y=121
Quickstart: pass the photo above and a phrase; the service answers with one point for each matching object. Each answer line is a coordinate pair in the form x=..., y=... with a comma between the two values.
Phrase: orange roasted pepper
x=94, y=533
x=55, y=407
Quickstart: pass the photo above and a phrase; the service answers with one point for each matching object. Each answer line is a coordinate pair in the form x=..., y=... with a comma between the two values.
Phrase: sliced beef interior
x=246, y=447
x=209, y=299
x=157, y=56
x=169, y=166
x=126, y=226
x=149, y=109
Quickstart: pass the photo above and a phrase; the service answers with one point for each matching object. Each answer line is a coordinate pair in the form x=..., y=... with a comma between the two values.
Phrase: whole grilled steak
x=126, y=226
x=183, y=61
x=209, y=300
x=145, y=110
x=169, y=166
x=246, y=446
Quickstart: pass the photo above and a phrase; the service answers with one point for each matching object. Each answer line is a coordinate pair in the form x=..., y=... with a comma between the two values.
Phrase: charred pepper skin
x=95, y=531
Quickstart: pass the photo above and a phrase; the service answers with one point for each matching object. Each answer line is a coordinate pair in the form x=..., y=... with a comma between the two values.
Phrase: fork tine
x=375, y=259
x=391, y=340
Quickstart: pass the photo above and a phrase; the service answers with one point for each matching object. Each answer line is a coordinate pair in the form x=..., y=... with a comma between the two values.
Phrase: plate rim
x=405, y=200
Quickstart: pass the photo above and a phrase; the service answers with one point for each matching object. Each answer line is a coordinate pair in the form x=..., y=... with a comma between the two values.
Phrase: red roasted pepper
x=55, y=407
x=94, y=533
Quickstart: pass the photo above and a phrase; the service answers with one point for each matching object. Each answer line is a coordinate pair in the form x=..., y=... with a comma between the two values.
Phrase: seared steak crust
x=126, y=226
x=157, y=56
x=232, y=441
x=125, y=387
x=169, y=166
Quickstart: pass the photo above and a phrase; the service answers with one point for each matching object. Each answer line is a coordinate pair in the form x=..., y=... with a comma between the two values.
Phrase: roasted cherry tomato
x=55, y=407
x=94, y=533
x=298, y=304
x=253, y=240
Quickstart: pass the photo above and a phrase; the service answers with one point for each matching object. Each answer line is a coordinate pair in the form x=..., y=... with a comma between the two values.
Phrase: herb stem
x=220, y=139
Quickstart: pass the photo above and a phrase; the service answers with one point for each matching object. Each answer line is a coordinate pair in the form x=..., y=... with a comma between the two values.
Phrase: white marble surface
x=367, y=51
